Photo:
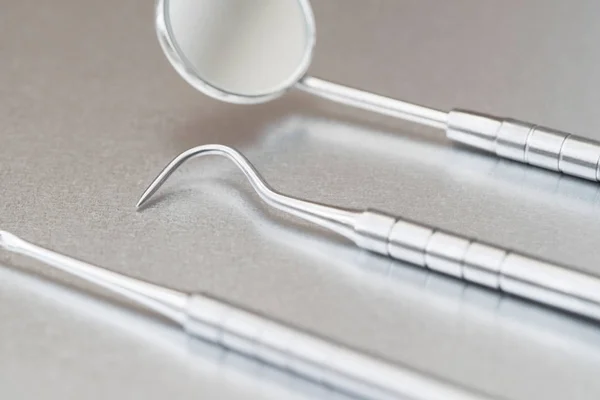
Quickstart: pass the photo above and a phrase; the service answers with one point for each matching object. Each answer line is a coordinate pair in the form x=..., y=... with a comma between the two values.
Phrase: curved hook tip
x=336, y=219
x=144, y=197
x=150, y=190
x=166, y=172
x=208, y=149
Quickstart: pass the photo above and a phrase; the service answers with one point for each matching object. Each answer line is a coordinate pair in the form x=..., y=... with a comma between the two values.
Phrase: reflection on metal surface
x=268, y=51
x=402, y=239
x=196, y=34
x=252, y=377
x=451, y=297
x=255, y=336
x=504, y=177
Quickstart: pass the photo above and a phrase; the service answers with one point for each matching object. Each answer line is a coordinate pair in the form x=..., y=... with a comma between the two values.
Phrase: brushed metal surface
x=90, y=111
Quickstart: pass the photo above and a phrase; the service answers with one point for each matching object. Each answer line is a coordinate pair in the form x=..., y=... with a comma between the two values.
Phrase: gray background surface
x=90, y=111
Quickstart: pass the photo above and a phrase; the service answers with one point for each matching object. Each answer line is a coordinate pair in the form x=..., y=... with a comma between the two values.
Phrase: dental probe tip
x=172, y=166
x=156, y=184
x=150, y=190
x=147, y=193
x=333, y=218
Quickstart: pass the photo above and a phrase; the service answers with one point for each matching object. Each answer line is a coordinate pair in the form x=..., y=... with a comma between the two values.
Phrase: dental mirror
x=238, y=51
x=246, y=52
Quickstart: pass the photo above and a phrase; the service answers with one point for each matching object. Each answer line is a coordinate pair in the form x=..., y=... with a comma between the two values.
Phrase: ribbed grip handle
x=311, y=357
x=527, y=143
x=481, y=263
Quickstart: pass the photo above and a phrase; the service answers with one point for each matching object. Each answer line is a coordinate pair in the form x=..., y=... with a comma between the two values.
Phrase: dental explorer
x=255, y=336
x=227, y=67
x=484, y=264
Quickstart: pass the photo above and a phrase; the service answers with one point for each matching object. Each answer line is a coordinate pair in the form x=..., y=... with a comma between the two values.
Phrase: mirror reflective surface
x=228, y=48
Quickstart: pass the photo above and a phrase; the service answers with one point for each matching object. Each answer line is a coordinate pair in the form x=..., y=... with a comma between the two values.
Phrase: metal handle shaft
x=256, y=336
x=311, y=357
x=374, y=102
x=501, y=269
x=520, y=141
x=492, y=266
x=527, y=143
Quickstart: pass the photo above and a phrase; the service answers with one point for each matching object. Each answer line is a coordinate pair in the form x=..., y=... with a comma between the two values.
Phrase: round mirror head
x=240, y=51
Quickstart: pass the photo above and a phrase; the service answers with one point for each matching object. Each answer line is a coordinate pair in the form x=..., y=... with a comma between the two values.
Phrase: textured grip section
x=497, y=268
x=511, y=141
x=543, y=148
x=472, y=129
x=580, y=157
x=372, y=230
x=527, y=143
x=408, y=241
x=446, y=253
x=550, y=149
x=483, y=263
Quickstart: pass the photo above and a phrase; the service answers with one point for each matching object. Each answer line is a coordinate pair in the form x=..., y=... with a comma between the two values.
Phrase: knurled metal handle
x=527, y=143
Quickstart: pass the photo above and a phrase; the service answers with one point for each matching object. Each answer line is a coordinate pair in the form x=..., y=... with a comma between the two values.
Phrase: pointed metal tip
x=9, y=241
x=141, y=201
x=336, y=219
x=162, y=177
x=152, y=188
x=175, y=163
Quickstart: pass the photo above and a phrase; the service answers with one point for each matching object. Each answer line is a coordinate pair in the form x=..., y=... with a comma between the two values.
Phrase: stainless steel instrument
x=509, y=138
x=241, y=54
x=252, y=335
x=402, y=239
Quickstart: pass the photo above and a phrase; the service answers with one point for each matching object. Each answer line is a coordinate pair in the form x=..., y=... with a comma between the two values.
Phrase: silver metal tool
x=402, y=239
x=269, y=341
x=250, y=54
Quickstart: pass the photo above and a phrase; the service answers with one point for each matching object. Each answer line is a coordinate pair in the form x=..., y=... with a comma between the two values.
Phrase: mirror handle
x=527, y=143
